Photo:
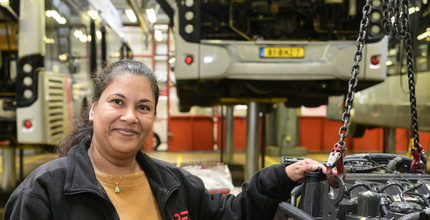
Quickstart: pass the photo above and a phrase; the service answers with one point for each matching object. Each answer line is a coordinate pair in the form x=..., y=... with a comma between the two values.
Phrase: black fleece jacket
x=67, y=188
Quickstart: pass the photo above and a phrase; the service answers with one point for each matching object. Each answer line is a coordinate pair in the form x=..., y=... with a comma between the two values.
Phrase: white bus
x=297, y=52
x=49, y=48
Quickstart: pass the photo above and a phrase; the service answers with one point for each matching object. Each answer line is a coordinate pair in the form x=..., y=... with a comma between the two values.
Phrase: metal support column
x=390, y=140
x=9, y=170
x=252, y=140
x=229, y=132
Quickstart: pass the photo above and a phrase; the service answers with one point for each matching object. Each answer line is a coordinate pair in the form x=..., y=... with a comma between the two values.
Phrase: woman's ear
x=91, y=114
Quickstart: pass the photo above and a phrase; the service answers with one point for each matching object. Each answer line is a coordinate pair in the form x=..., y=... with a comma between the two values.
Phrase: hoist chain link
x=338, y=152
x=395, y=4
x=400, y=10
x=358, y=56
x=387, y=14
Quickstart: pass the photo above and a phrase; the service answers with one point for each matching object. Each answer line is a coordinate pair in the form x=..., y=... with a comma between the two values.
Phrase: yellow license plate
x=282, y=52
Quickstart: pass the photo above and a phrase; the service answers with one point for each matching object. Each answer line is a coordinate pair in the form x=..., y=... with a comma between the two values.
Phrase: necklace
x=117, y=189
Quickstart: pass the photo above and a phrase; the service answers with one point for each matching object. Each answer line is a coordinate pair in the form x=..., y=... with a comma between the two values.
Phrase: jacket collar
x=81, y=177
x=80, y=173
x=158, y=171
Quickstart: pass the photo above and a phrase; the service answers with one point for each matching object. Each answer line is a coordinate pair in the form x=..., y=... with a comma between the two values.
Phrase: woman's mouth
x=125, y=131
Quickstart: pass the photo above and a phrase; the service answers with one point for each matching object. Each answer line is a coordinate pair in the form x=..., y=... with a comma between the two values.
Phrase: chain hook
x=418, y=155
x=336, y=159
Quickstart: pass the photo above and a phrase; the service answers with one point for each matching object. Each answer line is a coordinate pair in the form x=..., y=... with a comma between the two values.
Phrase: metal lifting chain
x=339, y=149
x=400, y=11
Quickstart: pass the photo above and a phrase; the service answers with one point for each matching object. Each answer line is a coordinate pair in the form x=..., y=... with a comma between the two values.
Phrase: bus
x=49, y=49
x=296, y=52
x=387, y=104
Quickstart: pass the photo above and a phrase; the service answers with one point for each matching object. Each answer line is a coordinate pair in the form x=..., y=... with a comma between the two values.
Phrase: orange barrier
x=191, y=133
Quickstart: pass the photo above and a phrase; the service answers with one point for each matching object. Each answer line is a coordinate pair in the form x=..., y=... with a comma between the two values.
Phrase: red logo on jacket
x=181, y=216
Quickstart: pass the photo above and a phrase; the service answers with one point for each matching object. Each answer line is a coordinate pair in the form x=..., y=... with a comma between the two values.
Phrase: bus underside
x=262, y=25
x=312, y=93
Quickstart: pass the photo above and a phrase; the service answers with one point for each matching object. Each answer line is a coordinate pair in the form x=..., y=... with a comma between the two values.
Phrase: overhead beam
x=167, y=9
x=136, y=9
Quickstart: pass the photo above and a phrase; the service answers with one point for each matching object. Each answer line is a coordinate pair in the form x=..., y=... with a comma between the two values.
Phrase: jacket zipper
x=164, y=201
x=101, y=194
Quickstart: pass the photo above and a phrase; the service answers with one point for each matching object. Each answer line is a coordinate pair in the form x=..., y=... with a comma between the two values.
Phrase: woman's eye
x=143, y=107
x=117, y=101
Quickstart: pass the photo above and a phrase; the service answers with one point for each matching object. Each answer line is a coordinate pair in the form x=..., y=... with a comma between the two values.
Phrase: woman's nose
x=129, y=115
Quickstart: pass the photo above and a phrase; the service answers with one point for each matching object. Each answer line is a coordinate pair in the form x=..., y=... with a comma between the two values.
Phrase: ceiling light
x=99, y=35
x=412, y=10
x=93, y=14
x=158, y=35
x=424, y=35
x=151, y=15
x=131, y=16
x=77, y=33
x=54, y=14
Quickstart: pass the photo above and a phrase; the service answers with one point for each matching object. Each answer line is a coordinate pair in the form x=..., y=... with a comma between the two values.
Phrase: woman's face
x=123, y=117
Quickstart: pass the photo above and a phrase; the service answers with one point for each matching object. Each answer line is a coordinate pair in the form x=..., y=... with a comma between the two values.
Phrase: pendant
x=117, y=190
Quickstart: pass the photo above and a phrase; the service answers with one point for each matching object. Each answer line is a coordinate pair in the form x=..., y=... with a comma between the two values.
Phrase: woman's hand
x=297, y=171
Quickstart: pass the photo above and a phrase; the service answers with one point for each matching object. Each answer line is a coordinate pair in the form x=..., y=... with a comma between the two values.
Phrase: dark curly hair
x=83, y=128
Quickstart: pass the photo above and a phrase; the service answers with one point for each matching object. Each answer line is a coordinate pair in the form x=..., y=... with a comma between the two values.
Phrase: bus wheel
x=156, y=141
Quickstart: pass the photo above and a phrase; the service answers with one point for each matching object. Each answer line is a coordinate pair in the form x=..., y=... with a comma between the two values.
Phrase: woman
x=102, y=174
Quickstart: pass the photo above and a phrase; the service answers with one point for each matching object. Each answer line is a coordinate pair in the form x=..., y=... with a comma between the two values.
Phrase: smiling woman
x=103, y=174
x=123, y=118
x=135, y=79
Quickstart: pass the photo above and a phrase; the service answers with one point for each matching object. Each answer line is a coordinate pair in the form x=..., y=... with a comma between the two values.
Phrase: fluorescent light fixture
x=412, y=10
x=62, y=57
x=158, y=35
x=77, y=33
x=83, y=38
x=131, y=16
x=54, y=14
x=151, y=15
x=99, y=35
x=424, y=35
x=93, y=14
x=48, y=40
x=4, y=3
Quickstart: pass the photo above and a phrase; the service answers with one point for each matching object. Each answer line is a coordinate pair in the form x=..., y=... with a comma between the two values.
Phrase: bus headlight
x=189, y=28
x=189, y=3
x=376, y=16
x=189, y=15
x=28, y=94
x=376, y=3
x=28, y=81
x=27, y=68
x=375, y=29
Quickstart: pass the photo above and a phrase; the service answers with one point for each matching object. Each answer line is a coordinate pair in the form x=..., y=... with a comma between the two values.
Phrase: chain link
x=400, y=8
x=352, y=84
